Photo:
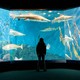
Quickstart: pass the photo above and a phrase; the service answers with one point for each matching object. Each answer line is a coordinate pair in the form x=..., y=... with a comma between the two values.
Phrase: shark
x=15, y=33
x=76, y=29
x=69, y=29
x=11, y=47
x=48, y=29
x=76, y=42
x=29, y=16
x=75, y=52
x=62, y=18
x=66, y=40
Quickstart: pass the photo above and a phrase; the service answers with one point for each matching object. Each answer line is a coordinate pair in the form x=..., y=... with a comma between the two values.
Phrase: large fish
x=61, y=35
x=6, y=56
x=15, y=33
x=11, y=47
x=62, y=39
x=69, y=29
x=62, y=18
x=30, y=16
x=75, y=51
x=66, y=40
x=77, y=45
x=48, y=29
x=76, y=29
x=70, y=33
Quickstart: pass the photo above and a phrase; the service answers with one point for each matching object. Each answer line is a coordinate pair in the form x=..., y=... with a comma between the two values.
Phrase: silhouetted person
x=41, y=52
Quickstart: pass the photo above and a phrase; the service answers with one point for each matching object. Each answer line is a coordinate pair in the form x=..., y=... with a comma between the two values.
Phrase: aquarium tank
x=20, y=31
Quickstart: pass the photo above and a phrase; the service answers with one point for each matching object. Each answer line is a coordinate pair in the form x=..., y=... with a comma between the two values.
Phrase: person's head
x=41, y=40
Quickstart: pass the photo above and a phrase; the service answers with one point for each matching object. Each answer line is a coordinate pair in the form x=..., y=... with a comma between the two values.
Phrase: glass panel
x=4, y=34
x=72, y=30
x=20, y=31
x=33, y=24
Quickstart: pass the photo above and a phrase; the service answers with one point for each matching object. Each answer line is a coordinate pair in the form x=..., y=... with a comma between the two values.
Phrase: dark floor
x=51, y=74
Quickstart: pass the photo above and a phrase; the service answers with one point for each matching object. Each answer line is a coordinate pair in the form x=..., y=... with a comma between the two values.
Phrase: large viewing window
x=20, y=31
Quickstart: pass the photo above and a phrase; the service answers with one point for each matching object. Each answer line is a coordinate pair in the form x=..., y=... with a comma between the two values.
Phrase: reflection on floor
x=51, y=74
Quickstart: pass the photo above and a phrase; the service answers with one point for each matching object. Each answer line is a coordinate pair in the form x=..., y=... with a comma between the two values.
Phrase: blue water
x=32, y=29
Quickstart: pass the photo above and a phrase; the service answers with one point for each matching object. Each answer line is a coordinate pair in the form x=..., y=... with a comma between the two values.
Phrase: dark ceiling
x=39, y=4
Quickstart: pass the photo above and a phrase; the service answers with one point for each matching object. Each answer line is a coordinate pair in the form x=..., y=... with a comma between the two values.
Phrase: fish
x=75, y=36
x=75, y=51
x=70, y=33
x=65, y=40
x=68, y=45
x=17, y=58
x=68, y=57
x=15, y=33
x=48, y=29
x=69, y=29
x=62, y=18
x=78, y=47
x=61, y=36
x=29, y=16
x=11, y=47
x=76, y=29
x=6, y=56
x=48, y=46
